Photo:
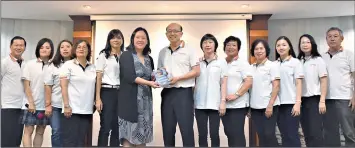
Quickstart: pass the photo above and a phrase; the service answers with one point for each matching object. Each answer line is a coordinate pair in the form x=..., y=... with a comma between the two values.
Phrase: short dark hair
x=146, y=49
x=88, y=57
x=113, y=33
x=58, y=58
x=17, y=38
x=256, y=42
x=209, y=37
x=39, y=45
x=290, y=52
x=232, y=39
x=314, y=50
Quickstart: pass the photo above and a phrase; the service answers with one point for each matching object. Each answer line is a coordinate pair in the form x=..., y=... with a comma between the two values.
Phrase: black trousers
x=265, y=127
x=108, y=118
x=233, y=122
x=74, y=129
x=11, y=127
x=312, y=121
x=288, y=126
x=177, y=108
x=202, y=117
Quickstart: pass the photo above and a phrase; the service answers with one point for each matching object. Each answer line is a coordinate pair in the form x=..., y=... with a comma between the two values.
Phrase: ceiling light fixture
x=245, y=6
x=87, y=6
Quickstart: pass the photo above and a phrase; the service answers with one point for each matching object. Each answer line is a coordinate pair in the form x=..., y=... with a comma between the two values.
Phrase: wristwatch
x=67, y=106
x=237, y=94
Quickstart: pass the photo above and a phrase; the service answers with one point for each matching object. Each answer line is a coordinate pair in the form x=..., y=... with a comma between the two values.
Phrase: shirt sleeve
x=224, y=67
x=65, y=71
x=194, y=60
x=322, y=68
x=26, y=73
x=275, y=72
x=351, y=60
x=247, y=71
x=3, y=68
x=48, y=75
x=100, y=63
x=299, y=70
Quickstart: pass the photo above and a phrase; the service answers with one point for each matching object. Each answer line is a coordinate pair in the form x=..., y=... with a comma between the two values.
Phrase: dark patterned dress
x=142, y=131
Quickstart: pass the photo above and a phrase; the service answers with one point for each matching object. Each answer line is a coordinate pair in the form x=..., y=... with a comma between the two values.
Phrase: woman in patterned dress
x=135, y=104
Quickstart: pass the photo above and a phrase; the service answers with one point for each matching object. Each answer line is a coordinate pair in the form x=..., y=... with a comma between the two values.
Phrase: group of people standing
x=65, y=90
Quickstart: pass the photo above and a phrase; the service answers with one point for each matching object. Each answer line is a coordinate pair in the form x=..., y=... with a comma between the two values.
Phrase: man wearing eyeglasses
x=177, y=99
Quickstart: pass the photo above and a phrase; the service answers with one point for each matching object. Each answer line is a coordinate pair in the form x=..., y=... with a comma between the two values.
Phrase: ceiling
x=59, y=10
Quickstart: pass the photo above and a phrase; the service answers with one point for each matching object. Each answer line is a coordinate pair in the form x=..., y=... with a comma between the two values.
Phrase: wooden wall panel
x=258, y=29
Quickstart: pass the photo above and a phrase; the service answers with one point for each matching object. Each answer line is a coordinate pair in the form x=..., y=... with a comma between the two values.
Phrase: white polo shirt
x=12, y=91
x=34, y=72
x=290, y=70
x=81, y=86
x=179, y=63
x=110, y=68
x=263, y=75
x=51, y=77
x=339, y=69
x=238, y=71
x=207, y=93
x=314, y=68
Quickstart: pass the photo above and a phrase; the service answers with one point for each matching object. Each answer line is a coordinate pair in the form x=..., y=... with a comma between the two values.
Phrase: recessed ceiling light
x=87, y=6
x=245, y=6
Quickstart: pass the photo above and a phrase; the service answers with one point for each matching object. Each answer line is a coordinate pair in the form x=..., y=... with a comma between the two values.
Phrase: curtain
x=33, y=31
x=317, y=27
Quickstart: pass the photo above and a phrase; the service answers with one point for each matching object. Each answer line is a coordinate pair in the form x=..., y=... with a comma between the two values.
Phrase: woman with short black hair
x=34, y=102
x=77, y=80
x=135, y=104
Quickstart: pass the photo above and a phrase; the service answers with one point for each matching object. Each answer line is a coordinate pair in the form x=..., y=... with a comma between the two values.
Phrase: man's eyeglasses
x=173, y=31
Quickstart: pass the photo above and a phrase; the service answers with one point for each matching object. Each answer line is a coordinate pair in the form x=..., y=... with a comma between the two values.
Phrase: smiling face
x=81, y=50
x=45, y=50
x=232, y=49
x=140, y=40
x=116, y=42
x=282, y=47
x=208, y=46
x=306, y=45
x=173, y=32
x=260, y=52
x=17, y=48
x=66, y=49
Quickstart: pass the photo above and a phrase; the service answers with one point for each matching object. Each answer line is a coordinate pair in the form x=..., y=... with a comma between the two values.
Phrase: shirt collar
x=262, y=63
x=286, y=59
x=77, y=62
x=340, y=50
x=15, y=59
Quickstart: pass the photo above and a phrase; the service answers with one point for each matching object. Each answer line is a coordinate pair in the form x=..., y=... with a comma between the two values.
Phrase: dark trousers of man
x=177, y=107
x=233, y=122
x=312, y=121
x=265, y=127
x=288, y=126
x=75, y=129
x=338, y=111
x=203, y=116
x=11, y=127
x=108, y=118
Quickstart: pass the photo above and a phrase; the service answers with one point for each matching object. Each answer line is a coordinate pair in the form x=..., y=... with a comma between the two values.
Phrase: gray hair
x=335, y=28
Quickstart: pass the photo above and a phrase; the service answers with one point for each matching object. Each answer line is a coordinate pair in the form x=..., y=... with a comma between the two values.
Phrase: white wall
x=317, y=27
x=192, y=34
x=33, y=31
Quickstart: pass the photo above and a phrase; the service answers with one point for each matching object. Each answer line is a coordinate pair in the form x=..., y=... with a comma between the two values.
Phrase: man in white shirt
x=340, y=100
x=177, y=100
x=12, y=93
